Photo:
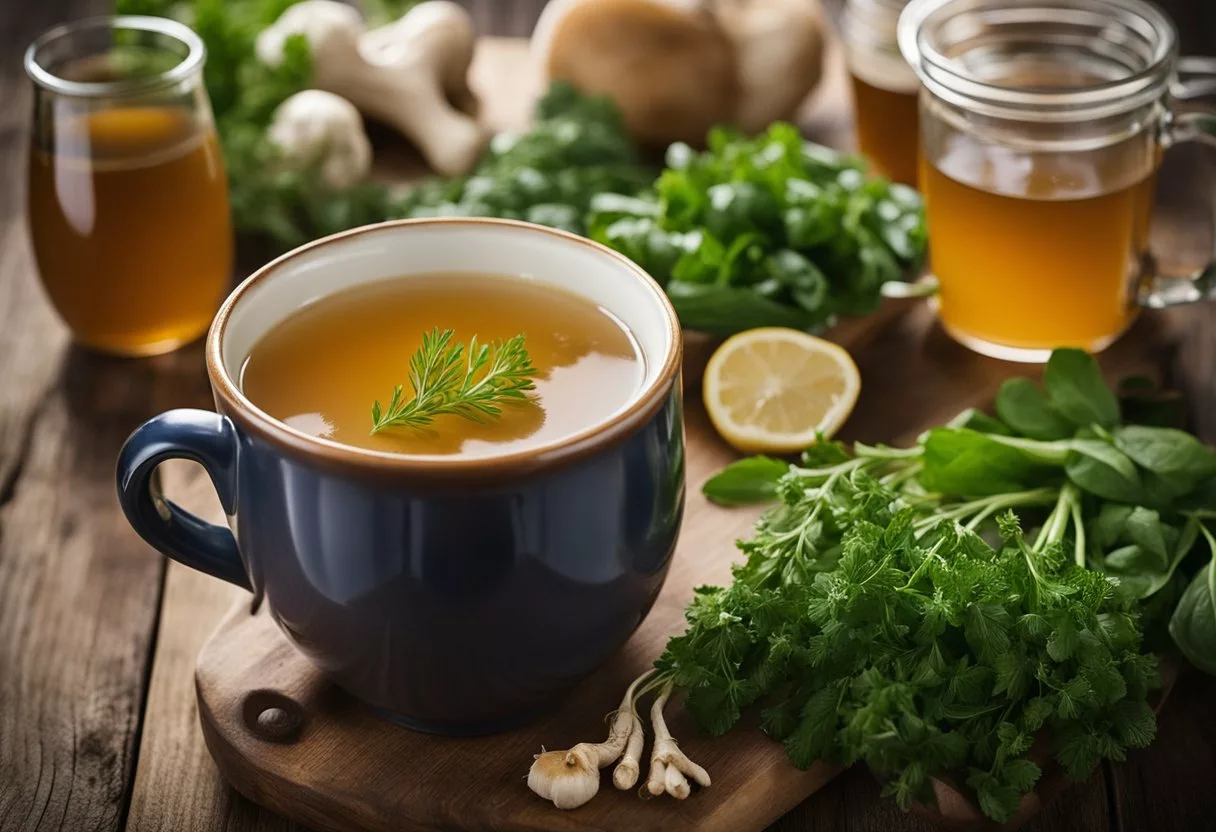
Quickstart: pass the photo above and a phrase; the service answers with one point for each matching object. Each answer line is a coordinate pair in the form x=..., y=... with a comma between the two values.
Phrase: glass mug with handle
x=1043, y=123
x=128, y=200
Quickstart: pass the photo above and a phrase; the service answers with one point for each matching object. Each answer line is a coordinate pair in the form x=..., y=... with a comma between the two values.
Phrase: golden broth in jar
x=130, y=225
x=1037, y=250
x=885, y=89
x=1038, y=262
x=887, y=128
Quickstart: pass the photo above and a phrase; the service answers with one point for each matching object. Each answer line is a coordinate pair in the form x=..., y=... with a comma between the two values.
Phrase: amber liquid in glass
x=887, y=129
x=321, y=369
x=130, y=225
x=1032, y=270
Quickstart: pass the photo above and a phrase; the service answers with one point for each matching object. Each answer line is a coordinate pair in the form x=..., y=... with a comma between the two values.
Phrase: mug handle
x=1159, y=291
x=208, y=439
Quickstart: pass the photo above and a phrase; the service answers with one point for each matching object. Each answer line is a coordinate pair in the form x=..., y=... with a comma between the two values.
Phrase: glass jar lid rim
x=942, y=75
x=193, y=60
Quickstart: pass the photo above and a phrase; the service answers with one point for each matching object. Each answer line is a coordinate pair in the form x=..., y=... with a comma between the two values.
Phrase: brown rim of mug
x=645, y=403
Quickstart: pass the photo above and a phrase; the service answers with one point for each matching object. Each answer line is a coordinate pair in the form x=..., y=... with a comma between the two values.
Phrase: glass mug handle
x=1197, y=78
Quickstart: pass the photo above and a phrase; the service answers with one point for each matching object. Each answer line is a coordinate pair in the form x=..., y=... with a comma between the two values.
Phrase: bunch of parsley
x=891, y=611
x=770, y=231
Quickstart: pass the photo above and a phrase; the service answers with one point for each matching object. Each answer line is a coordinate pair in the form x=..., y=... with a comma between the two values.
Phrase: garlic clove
x=567, y=778
x=318, y=127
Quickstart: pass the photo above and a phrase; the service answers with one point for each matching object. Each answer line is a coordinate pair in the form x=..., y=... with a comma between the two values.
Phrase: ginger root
x=411, y=74
x=571, y=778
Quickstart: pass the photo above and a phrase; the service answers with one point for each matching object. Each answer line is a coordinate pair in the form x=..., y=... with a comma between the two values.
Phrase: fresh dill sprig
x=449, y=379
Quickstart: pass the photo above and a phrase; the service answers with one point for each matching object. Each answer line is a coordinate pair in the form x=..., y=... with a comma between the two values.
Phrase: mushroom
x=778, y=55
x=314, y=127
x=411, y=74
x=678, y=67
x=665, y=63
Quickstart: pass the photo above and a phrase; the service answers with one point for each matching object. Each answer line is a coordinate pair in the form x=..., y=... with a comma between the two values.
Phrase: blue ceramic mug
x=456, y=595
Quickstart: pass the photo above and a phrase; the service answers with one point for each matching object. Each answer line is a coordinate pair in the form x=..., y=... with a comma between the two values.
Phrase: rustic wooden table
x=98, y=634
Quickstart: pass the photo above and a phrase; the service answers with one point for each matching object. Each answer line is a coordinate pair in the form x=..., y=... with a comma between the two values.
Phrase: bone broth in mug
x=436, y=438
x=321, y=370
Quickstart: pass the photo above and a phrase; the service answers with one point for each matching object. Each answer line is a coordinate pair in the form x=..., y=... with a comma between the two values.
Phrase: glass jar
x=1042, y=125
x=884, y=87
x=128, y=200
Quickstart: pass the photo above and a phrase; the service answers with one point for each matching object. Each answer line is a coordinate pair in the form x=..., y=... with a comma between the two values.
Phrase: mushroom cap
x=669, y=67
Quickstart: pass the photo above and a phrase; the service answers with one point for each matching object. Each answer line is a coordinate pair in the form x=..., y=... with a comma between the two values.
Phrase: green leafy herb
x=891, y=611
x=576, y=148
x=447, y=378
x=1076, y=390
x=768, y=231
x=1193, y=625
x=751, y=480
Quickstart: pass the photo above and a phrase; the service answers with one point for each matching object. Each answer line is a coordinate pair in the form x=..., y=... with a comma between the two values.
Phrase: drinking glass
x=128, y=200
x=884, y=87
x=1042, y=126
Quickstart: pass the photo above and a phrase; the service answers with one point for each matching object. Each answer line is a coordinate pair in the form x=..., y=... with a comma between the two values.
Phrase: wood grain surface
x=97, y=723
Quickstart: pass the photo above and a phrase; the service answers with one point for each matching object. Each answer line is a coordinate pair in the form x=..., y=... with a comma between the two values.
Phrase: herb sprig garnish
x=448, y=378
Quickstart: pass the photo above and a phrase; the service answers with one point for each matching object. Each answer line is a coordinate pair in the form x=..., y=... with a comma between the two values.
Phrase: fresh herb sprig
x=891, y=611
x=448, y=378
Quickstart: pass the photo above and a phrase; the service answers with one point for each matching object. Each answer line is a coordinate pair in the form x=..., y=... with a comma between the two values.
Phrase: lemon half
x=774, y=390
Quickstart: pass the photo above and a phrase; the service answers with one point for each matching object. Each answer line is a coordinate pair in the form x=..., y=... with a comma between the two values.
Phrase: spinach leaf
x=1025, y=408
x=751, y=480
x=1108, y=455
x=1144, y=526
x=1091, y=473
x=722, y=310
x=1076, y=391
x=1193, y=624
x=1140, y=575
x=1111, y=525
x=1168, y=452
x=972, y=464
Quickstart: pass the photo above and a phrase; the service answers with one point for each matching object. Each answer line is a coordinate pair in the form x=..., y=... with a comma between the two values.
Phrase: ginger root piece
x=410, y=74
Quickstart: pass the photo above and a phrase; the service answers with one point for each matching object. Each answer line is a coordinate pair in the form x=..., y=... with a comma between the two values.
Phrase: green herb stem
x=448, y=378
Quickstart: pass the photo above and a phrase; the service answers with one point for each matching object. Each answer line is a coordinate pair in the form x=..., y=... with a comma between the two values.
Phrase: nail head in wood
x=273, y=717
